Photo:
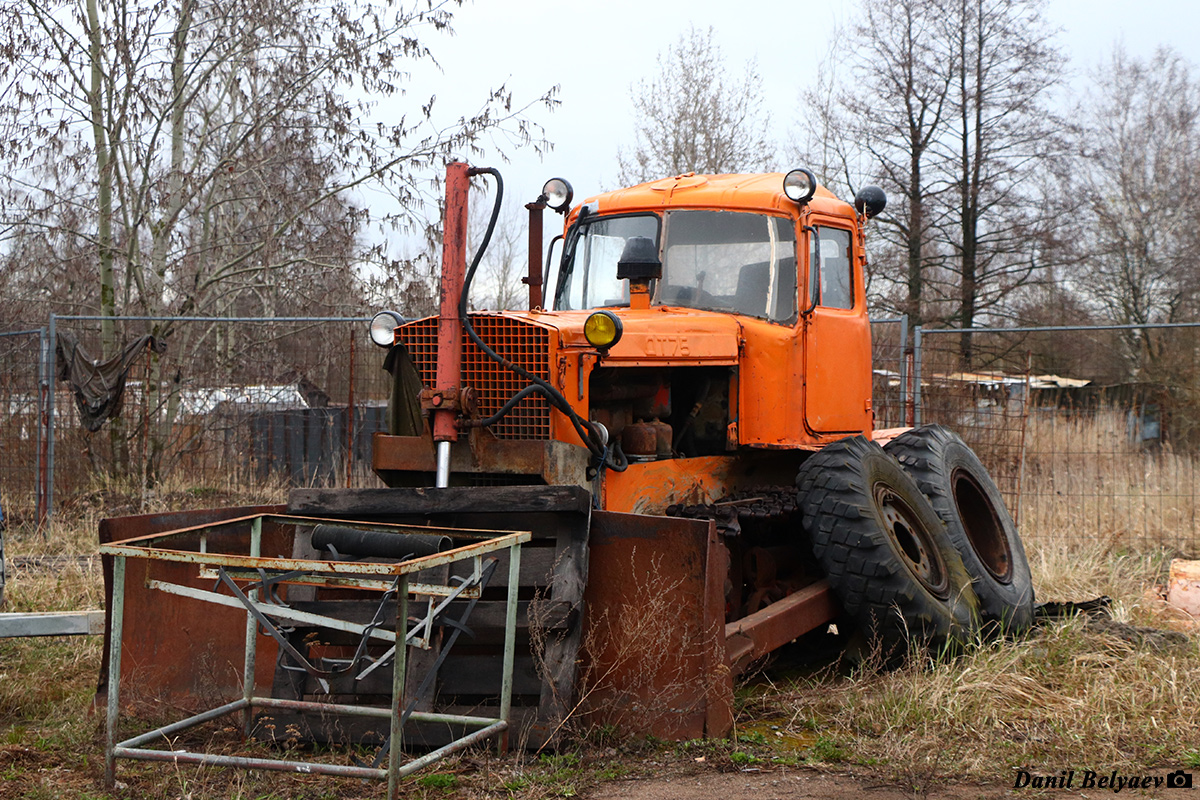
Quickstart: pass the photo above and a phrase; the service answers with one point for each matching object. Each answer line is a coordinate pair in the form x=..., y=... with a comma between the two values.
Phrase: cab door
x=837, y=332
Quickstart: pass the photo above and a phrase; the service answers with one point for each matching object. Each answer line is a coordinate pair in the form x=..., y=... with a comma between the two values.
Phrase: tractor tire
x=884, y=550
x=966, y=498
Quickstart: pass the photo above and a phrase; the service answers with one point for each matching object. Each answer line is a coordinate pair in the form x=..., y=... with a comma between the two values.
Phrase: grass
x=1069, y=694
x=1084, y=482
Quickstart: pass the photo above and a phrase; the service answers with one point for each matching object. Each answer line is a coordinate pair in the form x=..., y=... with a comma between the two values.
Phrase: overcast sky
x=596, y=51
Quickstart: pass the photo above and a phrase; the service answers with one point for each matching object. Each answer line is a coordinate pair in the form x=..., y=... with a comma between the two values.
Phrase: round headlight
x=383, y=328
x=558, y=194
x=799, y=185
x=602, y=330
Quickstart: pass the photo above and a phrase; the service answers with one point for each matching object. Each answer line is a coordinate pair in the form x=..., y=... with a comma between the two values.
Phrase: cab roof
x=758, y=192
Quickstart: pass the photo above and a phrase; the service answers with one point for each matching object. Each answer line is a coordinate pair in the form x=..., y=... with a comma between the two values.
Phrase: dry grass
x=1067, y=695
x=1070, y=694
x=1086, y=483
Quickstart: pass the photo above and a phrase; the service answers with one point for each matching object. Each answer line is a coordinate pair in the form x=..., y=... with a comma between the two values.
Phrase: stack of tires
x=916, y=540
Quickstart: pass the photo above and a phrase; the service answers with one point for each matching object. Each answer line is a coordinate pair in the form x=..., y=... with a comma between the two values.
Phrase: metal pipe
x=1067, y=328
x=349, y=568
x=43, y=474
x=534, y=278
x=91, y=318
x=453, y=747
x=398, y=669
x=283, y=613
x=917, y=375
x=114, y=670
x=1021, y=449
x=450, y=327
x=251, y=632
x=905, y=398
x=178, y=757
x=442, y=480
x=52, y=375
x=365, y=711
x=175, y=727
x=350, y=419
x=510, y=640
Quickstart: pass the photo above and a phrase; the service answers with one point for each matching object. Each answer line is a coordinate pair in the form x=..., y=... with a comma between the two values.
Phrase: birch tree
x=207, y=155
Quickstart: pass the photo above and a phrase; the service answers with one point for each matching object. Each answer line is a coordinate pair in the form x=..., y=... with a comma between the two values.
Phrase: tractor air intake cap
x=639, y=260
x=870, y=200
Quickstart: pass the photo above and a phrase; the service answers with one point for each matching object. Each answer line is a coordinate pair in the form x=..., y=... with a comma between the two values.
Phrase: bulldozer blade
x=653, y=659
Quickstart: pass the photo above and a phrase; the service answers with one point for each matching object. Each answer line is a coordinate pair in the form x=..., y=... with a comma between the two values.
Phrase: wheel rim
x=913, y=541
x=982, y=526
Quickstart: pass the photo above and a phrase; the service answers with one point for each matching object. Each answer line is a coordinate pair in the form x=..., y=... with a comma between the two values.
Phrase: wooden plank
x=479, y=675
x=420, y=661
x=315, y=454
x=452, y=500
x=472, y=675
x=560, y=657
x=282, y=726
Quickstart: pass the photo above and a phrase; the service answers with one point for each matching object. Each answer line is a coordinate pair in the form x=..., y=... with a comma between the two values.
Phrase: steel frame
x=367, y=576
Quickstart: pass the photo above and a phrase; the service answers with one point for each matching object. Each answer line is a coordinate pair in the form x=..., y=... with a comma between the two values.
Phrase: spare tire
x=966, y=498
x=884, y=549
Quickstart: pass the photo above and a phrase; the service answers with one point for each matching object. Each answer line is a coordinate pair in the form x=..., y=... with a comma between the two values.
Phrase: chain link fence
x=23, y=385
x=234, y=406
x=1091, y=433
x=891, y=360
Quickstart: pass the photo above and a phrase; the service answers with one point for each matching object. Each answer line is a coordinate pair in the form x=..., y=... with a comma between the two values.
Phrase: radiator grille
x=521, y=343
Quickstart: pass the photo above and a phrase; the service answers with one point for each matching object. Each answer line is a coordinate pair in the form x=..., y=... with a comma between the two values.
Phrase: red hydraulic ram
x=444, y=399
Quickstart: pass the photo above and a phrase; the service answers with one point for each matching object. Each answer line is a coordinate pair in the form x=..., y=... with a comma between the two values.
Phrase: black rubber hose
x=385, y=544
x=585, y=431
x=506, y=408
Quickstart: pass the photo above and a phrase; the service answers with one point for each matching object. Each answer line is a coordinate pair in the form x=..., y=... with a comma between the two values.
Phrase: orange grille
x=521, y=343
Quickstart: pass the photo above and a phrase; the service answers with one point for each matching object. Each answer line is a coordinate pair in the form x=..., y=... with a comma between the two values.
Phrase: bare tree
x=945, y=103
x=694, y=116
x=498, y=283
x=881, y=127
x=1005, y=132
x=203, y=154
x=1138, y=152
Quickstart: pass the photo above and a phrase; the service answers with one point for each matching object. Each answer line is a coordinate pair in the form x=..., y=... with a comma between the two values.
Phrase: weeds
x=1070, y=692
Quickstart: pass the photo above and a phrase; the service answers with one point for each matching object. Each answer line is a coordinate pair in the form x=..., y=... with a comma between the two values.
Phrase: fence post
x=905, y=355
x=350, y=417
x=40, y=469
x=916, y=391
x=51, y=373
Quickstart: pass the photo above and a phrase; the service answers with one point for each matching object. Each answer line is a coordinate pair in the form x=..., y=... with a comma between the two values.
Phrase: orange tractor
x=684, y=423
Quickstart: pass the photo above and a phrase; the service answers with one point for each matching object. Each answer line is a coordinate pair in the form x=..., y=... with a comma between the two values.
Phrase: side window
x=833, y=263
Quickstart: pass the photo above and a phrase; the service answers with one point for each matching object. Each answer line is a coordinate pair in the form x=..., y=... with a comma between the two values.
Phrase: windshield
x=716, y=260
x=589, y=276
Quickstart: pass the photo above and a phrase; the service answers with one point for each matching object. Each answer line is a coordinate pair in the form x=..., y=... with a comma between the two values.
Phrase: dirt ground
x=793, y=784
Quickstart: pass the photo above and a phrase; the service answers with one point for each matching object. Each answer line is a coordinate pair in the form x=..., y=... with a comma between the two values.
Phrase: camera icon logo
x=1179, y=780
